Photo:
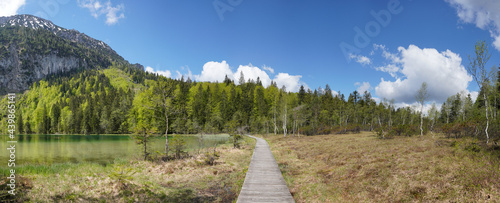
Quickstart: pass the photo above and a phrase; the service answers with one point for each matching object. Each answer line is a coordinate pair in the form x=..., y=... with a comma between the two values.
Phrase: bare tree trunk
x=145, y=147
x=403, y=116
x=390, y=117
x=284, y=121
x=421, y=124
x=432, y=127
x=380, y=125
x=166, y=134
x=275, y=125
x=463, y=115
x=495, y=109
x=487, y=118
x=298, y=131
x=421, y=120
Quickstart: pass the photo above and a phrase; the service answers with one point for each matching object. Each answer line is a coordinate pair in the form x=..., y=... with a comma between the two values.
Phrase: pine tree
x=242, y=79
x=55, y=114
x=302, y=94
x=19, y=122
x=28, y=126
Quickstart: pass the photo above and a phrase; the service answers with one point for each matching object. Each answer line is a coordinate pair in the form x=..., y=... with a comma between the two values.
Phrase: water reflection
x=48, y=149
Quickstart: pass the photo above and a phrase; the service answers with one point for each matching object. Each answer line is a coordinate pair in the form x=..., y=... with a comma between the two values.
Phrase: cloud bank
x=410, y=67
x=216, y=72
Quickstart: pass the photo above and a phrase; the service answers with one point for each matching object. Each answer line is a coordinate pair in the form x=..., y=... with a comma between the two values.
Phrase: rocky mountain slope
x=32, y=48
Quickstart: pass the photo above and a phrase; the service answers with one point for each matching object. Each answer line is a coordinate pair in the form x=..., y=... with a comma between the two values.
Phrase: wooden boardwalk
x=263, y=181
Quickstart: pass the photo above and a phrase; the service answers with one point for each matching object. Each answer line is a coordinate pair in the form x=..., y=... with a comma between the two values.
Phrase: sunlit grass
x=363, y=168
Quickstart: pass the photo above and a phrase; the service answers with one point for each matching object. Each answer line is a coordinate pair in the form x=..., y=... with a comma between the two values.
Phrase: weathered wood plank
x=263, y=181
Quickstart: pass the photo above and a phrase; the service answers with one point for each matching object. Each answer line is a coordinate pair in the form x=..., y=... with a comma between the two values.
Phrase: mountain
x=32, y=48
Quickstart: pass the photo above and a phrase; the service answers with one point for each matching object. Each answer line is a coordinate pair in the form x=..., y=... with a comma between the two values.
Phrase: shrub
x=379, y=132
x=306, y=130
x=122, y=176
x=473, y=147
x=235, y=139
x=178, y=145
x=211, y=157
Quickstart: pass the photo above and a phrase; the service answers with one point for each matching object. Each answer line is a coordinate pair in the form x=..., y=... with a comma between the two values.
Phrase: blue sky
x=423, y=41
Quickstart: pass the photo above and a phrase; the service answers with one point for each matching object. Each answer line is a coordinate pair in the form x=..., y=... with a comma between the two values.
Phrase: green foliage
x=144, y=132
x=379, y=132
x=236, y=140
x=178, y=144
x=405, y=130
x=210, y=158
x=473, y=147
x=122, y=175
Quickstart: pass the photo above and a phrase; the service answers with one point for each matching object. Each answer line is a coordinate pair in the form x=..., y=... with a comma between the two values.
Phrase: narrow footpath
x=263, y=181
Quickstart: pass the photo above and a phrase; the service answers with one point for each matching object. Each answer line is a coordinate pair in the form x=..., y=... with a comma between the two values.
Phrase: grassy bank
x=187, y=180
x=363, y=168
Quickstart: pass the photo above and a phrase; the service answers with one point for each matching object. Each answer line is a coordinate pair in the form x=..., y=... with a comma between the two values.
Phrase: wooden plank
x=263, y=181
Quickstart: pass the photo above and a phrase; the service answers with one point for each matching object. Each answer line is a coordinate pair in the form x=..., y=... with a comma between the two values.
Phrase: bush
x=178, y=145
x=379, y=132
x=235, y=139
x=458, y=130
x=210, y=158
x=473, y=147
x=122, y=175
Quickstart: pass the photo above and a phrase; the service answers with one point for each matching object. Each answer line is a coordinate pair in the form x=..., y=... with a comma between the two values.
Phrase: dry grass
x=188, y=180
x=362, y=168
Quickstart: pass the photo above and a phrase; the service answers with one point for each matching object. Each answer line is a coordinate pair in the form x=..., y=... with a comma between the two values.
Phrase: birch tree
x=162, y=97
x=421, y=96
x=478, y=71
x=285, y=108
x=433, y=116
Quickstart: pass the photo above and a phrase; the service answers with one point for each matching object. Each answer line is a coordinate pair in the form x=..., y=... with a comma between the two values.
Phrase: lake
x=48, y=149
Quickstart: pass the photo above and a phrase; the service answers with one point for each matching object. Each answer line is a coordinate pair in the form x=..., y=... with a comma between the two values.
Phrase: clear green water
x=48, y=149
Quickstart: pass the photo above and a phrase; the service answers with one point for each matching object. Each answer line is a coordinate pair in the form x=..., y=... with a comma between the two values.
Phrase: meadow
x=364, y=168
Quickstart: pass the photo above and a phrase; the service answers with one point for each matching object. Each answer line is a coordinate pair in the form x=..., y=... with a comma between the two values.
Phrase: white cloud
x=363, y=60
x=271, y=70
x=392, y=69
x=114, y=14
x=362, y=87
x=291, y=82
x=216, y=71
x=442, y=71
x=97, y=8
x=10, y=7
x=473, y=95
x=394, y=65
x=159, y=72
x=186, y=76
x=252, y=72
x=485, y=14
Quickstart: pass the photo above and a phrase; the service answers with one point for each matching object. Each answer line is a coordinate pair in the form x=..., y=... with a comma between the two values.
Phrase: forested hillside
x=116, y=99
